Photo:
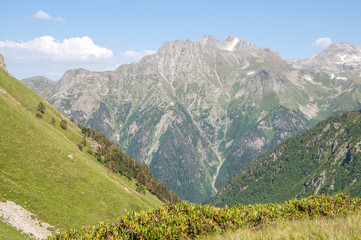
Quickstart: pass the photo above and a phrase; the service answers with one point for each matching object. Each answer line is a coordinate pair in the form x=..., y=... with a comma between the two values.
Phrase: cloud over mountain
x=323, y=42
x=47, y=47
x=52, y=57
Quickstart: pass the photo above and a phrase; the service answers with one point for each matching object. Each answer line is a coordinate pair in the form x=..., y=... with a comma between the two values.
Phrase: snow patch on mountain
x=233, y=44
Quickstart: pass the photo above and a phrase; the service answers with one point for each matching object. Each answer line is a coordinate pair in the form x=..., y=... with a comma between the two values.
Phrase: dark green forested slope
x=323, y=160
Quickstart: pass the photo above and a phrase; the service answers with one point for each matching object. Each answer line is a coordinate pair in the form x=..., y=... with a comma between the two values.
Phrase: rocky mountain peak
x=233, y=43
x=342, y=47
x=208, y=40
x=336, y=57
x=2, y=63
x=71, y=78
x=340, y=53
x=176, y=43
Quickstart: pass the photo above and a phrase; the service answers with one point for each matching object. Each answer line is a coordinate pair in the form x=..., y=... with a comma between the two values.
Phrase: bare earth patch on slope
x=23, y=220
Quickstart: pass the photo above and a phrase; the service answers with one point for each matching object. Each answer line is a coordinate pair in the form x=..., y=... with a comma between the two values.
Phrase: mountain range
x=198, y=112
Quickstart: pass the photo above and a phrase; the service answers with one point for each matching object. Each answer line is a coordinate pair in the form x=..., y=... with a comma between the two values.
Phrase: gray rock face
x=2, y=63
x=45, y=87
x=197, y=112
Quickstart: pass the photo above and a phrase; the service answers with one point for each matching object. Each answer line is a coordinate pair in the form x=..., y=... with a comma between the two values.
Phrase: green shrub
x=80, y=147
x=41, y=107
x=188, y=221
x=38, y=115
x=140, y=188
x=63, y=124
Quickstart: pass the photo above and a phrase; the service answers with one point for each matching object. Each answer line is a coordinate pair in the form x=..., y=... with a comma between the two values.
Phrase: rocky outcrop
x=46, y=88
x=2, y=63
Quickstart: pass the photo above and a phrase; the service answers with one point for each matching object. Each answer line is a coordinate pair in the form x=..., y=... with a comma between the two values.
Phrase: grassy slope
x=36, y=172
x=321, y=228
x=8, y=232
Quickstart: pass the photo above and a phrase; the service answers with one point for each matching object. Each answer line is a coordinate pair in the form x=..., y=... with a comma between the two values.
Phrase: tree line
x=109, y=154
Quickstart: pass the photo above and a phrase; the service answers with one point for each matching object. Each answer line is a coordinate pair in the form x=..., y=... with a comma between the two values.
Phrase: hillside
x=198, y=112
x=43, y=170
x=323, y=160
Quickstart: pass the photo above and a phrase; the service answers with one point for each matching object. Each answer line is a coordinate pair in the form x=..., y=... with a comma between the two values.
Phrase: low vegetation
x=184, y=220
x=41, y=107
x=318, y=228
x=63, y=124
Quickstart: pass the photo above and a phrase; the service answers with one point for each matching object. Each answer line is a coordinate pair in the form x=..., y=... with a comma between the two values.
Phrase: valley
x=192, y=134
x=322, y=160
x=180, y=120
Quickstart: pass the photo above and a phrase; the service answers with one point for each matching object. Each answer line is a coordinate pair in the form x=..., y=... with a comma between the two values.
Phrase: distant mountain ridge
x=323, y=160
x=197, y=112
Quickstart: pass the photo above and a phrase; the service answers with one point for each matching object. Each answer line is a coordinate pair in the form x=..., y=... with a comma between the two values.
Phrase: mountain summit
x=198, y=112
x=336, y=57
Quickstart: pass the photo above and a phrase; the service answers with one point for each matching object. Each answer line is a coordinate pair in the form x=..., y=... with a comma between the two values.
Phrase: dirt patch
x=23, y=220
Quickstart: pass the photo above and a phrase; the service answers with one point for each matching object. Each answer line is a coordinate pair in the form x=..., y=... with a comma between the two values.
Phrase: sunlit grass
x=7, y=232
x=321, y=228
x=37, y=173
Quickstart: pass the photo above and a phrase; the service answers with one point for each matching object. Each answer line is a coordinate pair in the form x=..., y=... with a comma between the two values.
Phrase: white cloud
x=323, y=42
x=59, y=19
x=46, y=47
x=138, y=55
x=50, y=57
x=43, y=15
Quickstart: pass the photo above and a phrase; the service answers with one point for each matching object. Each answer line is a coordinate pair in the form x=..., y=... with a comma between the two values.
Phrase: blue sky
x=49, y=37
